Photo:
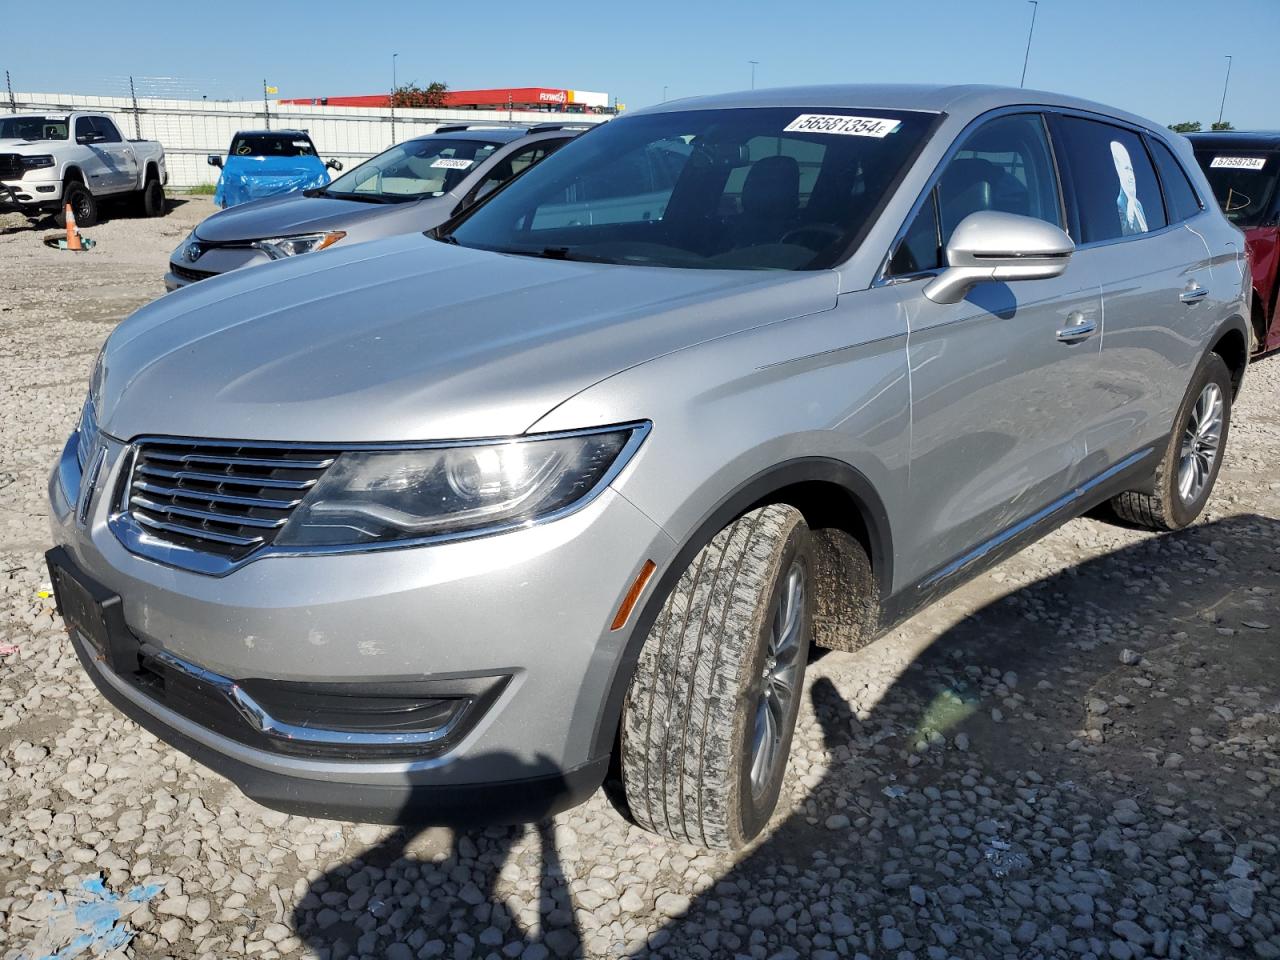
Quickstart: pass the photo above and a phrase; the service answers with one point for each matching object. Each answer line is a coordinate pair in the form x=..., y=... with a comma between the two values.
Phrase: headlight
x=387, y=495
x=87, y=428
x=277, y=248
x=35, y=163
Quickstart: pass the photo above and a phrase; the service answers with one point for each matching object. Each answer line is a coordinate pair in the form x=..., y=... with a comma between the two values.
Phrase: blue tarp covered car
x=266, y=163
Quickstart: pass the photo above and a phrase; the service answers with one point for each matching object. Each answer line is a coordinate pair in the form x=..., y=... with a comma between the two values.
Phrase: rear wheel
x=707, y=725
x=1189, y=466
x=151, y=198
x=83, y=205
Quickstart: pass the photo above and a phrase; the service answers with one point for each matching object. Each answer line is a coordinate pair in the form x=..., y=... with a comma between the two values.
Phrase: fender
x=1237, y=324
x=742, y=498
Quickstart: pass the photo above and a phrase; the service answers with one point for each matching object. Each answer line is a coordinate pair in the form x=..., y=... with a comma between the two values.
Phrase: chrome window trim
x=884, y=279
x=137, y=540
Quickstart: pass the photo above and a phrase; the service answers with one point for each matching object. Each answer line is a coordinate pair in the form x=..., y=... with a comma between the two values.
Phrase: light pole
x=664, y=93
x=754, y=64
x=1035, y=8
x=1223, y=105
x=393, y=98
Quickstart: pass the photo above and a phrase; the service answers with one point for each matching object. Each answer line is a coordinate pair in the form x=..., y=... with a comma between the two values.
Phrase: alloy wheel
x=779, y=677
x=1201, y=443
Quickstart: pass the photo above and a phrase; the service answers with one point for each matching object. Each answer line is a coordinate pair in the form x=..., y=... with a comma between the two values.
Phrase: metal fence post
x=266, y=106
x=137, y=119
x=13, y=104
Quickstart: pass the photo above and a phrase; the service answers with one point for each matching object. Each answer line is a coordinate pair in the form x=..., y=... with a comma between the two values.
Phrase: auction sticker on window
x=451, y=163
x=1239, y=163
x=843, y=125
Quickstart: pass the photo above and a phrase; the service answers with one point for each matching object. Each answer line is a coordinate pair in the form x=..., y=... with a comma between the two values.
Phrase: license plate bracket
x=92, y=612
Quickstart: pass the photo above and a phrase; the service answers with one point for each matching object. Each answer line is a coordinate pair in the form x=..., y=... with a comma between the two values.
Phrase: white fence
x=192, y=129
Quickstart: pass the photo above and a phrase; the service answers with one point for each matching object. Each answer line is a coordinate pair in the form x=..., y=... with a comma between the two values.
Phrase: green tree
x=1186, y=126
x=412, y=95
x=1223, y=125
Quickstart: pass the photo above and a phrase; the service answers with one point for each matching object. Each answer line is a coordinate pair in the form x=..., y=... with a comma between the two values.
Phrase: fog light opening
x=629, y=602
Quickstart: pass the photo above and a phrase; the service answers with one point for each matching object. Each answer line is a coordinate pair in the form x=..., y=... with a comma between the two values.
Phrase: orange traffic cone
x=73, y=234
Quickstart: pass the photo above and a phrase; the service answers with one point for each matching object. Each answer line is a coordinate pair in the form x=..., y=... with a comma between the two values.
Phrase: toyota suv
x=459, y=526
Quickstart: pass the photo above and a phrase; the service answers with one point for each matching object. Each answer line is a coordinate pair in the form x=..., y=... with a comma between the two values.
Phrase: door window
x=108, y=129
x=919, y=249
x=84, y=129
x=1005, y=165
x=1113, y=182
x=1180, y=200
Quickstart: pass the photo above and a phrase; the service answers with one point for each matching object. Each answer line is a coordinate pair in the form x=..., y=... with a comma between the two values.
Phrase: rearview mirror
x=214, y=160
x=334, y=165
x=988, y=245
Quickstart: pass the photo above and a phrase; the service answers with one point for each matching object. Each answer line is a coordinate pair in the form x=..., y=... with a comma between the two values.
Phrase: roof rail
x=457, y=127
x=567, y=125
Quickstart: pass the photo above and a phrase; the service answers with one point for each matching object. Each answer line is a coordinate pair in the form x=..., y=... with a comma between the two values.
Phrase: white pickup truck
x=48, y=160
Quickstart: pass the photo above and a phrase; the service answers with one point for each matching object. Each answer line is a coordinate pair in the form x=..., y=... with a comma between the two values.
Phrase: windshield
x=760, y=188
x=271, y=145
x=33, y=128
x=1244, y=184
x=417, y=168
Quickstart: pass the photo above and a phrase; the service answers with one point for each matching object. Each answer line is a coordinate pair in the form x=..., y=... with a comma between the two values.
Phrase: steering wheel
x=828, y=230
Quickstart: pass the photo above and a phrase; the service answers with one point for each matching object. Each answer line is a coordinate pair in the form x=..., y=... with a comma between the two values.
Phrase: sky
x=1165, y=59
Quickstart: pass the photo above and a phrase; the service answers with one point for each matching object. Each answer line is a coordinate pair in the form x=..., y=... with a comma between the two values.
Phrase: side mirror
x=334, y=165
x=214, y=160
x=988, y=245
x=93, y=137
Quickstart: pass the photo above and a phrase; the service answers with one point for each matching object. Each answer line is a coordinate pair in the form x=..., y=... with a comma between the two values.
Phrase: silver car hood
x=408, y=338
x=296, y=213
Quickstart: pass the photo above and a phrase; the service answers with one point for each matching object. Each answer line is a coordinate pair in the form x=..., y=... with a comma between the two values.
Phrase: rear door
x=1156, y=279
x=998, y=415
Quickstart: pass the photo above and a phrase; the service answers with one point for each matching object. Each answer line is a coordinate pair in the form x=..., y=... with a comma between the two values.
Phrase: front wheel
x=1189, y=466
x=83, y=204
x=707, y=724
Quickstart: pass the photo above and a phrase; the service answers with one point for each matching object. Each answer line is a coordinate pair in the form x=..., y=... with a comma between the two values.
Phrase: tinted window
x=1243, y=182
x=33, y=128
x=108, y=129
x=271, y=145
x=1113, y=182
x=779, y=188
x=919, y=248
x=84, y=127
x=1004, y=165
x=1179, y=196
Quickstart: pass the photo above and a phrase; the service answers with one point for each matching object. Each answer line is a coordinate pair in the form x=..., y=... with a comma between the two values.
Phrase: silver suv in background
x=447, y=527
x=414, y=186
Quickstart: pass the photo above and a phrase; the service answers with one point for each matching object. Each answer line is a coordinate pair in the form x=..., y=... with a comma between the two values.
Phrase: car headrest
x=772, y=188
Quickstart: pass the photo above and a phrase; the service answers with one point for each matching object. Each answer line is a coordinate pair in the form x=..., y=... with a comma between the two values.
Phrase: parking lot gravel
x=1075, y=755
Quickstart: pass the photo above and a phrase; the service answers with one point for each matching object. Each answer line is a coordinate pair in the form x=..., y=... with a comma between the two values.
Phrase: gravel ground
x=1076, y=755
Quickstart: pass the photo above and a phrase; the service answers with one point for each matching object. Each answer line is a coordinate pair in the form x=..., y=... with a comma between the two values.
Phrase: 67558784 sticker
x=843, y=125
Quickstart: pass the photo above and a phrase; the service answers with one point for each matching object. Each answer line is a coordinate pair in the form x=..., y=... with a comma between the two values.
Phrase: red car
x=1244, y=171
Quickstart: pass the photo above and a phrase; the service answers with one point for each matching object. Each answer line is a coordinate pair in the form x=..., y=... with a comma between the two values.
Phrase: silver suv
x=447, y=527
x=414, y=186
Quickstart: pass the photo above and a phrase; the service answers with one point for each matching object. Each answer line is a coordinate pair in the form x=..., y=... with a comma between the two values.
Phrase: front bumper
x=533, y=606
x=29, y=194
x=213, y=261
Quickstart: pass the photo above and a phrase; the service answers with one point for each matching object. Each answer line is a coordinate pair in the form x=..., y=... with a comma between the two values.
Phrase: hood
x=251, y=178
x=412, y=339
x=24, y=146
x=289, y=215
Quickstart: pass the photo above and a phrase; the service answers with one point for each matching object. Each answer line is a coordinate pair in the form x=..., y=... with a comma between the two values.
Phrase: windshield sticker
x=843, y=125
x=1133, y=219
x=1239, y=163
x=451, y=163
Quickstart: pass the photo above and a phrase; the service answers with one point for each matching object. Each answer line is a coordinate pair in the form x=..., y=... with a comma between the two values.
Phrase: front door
x=998, y=416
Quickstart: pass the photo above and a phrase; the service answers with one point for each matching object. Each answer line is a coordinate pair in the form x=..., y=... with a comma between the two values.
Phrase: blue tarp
x=252, y=178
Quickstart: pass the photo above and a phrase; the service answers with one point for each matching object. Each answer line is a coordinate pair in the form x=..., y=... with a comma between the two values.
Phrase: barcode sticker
x=843, y=125
x=1239, y=163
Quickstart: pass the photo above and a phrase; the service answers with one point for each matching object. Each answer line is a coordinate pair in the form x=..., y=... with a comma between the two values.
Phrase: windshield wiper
x=557, y=253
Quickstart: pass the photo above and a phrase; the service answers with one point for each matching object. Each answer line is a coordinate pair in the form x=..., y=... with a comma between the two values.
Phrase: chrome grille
x=223, y=498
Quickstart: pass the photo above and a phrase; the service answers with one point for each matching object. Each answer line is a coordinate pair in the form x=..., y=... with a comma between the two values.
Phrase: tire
x=82, y=202
x=151, y=199
x=690, y=718
x=1172, y=504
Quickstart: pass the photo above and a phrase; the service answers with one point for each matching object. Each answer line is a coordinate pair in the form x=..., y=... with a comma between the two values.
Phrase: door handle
x=1081, y=328
x=1194, y=293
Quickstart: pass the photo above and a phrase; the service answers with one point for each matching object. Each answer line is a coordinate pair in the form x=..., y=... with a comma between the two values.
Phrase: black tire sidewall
x=753, y=813
x=1213, y=369
x=70, y=196
x=152, y=198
